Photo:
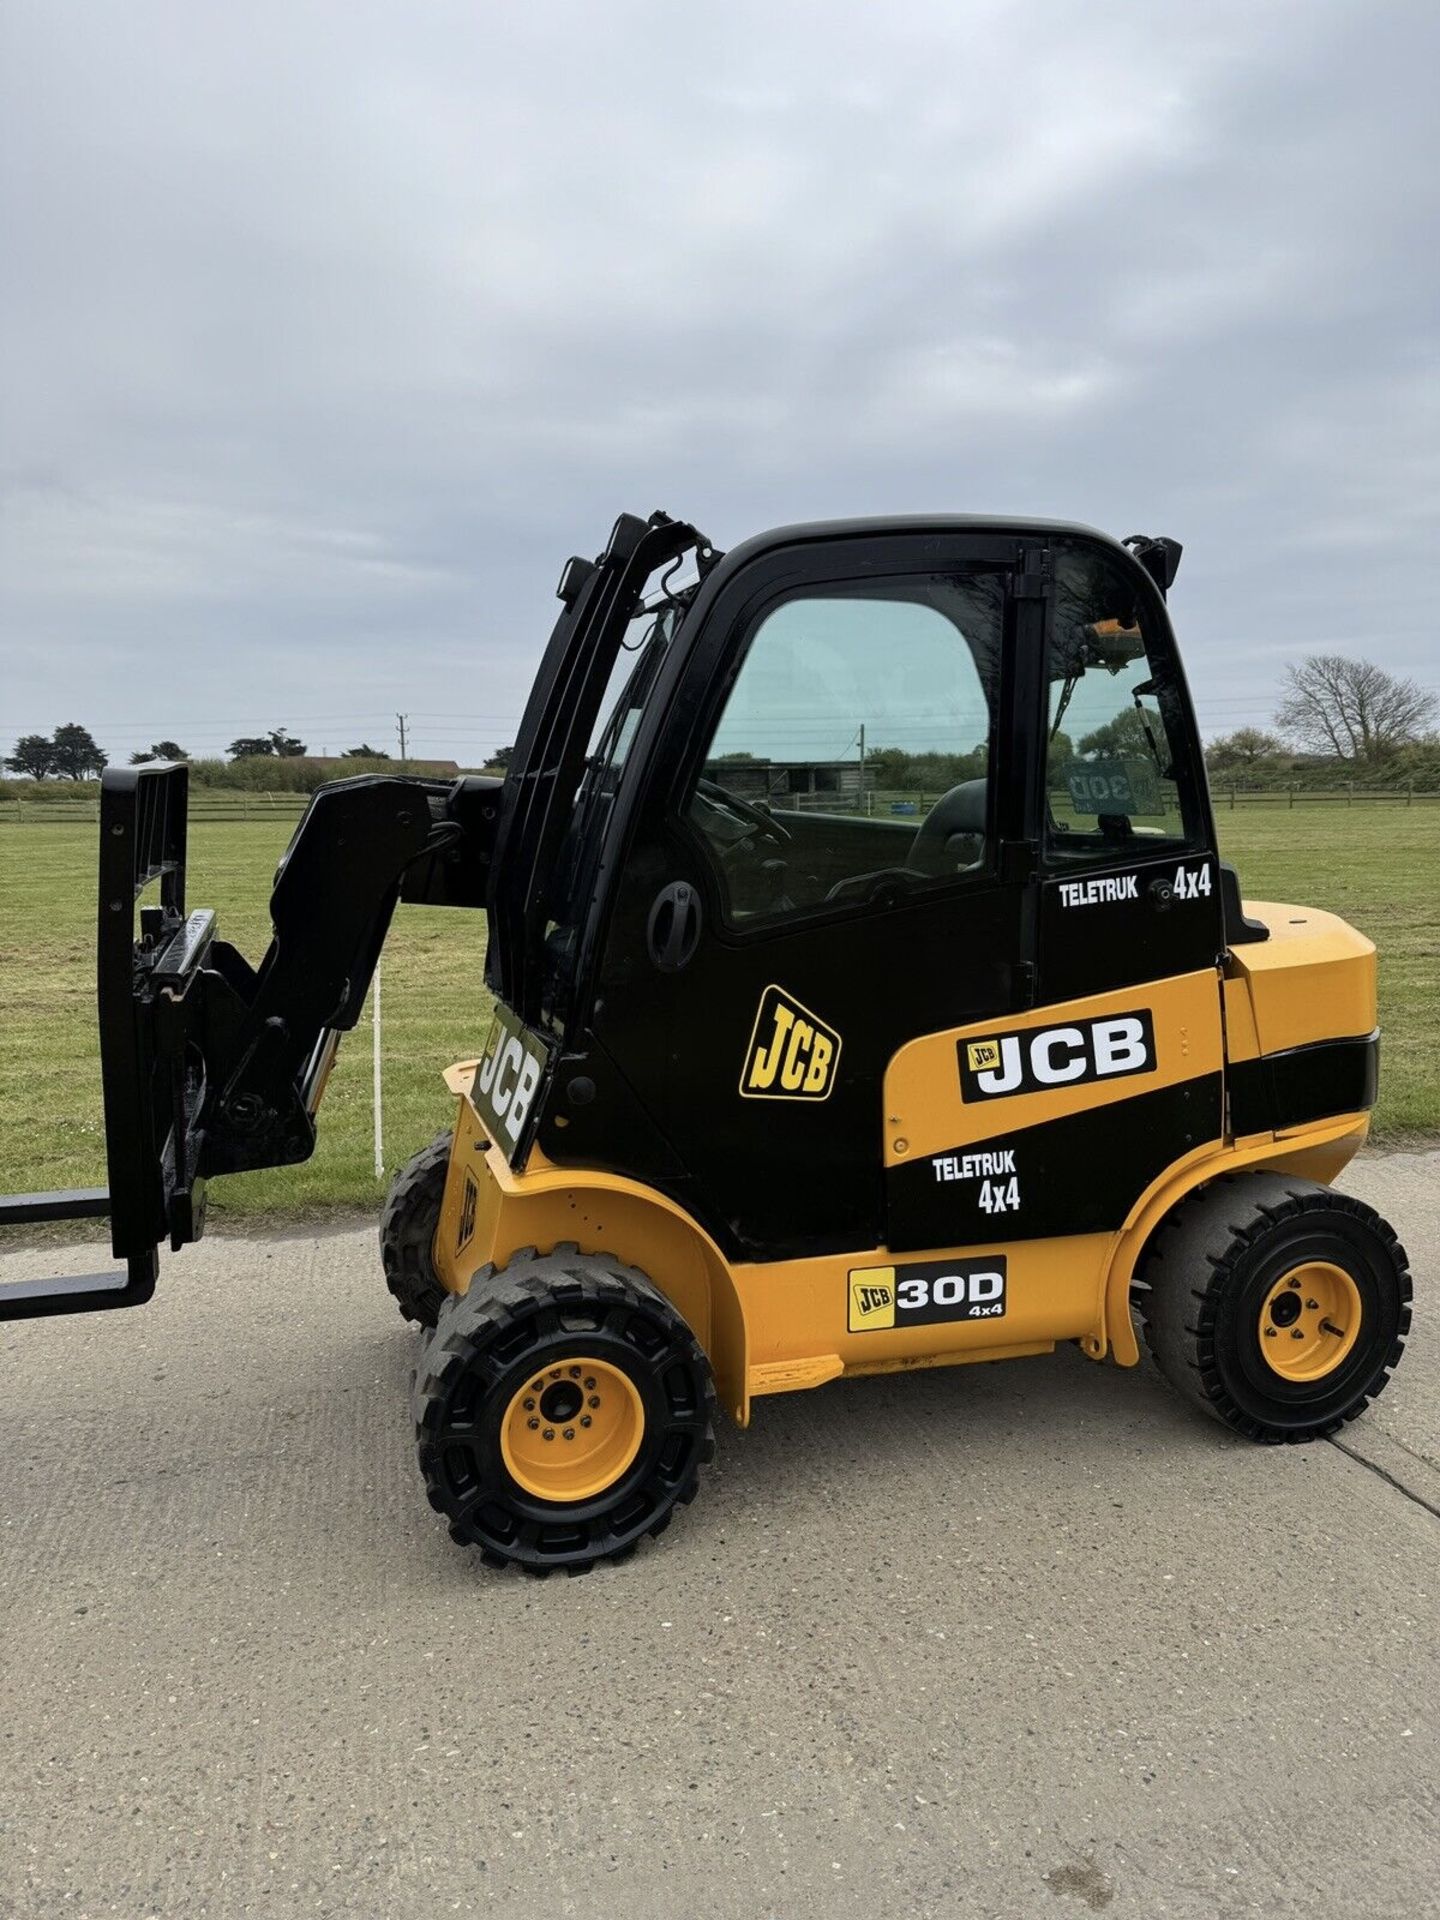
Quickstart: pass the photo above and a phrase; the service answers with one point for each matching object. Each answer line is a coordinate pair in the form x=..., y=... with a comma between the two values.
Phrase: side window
x=852, y=758
x=1113, y=789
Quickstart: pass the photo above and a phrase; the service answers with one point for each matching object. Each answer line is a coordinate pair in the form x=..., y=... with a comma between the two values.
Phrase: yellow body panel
x=779, y=1326
x=1334, y=1000
x=924, y=1113
x=490, y=1212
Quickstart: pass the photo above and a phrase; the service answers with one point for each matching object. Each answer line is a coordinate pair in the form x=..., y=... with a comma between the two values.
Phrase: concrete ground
x=998, y=1641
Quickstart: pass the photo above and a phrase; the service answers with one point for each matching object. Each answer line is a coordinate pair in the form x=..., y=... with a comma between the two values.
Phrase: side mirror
x=1159, y=555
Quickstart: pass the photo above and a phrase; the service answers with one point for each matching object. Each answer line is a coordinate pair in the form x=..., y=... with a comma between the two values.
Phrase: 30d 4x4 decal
x=792, y=1054
x=1050, y=1057
x=926, y=1292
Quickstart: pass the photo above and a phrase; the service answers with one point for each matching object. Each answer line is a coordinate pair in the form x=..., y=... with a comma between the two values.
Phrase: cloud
x=328, y=331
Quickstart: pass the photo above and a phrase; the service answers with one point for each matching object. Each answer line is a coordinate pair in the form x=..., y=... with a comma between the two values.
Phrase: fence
x=219, y=804
x=206, y=803
x=901, y=804
x=1346, y=796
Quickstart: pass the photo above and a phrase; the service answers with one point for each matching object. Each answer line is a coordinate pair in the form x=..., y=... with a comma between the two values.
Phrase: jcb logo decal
x=792, y=1055
x=872, y=1298
x=1050, y=1057
x=507, y=1077
x=468, y=1199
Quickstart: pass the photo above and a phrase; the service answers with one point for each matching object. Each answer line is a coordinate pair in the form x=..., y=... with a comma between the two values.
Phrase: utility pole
x=404, y=720
x=864, y=802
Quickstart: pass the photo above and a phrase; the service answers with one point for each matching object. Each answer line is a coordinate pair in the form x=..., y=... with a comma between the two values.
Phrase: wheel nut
x=536, y=1385
x=569, y=1433
x=1298, y=1334
x=529, y=1406
x=594, y=1399
x=574, y=1373
x=1292, y=1283
x=549, y=1434
x=589, y=1385
x=1312, y=1306
x=585, y=1420
x=1269, y=1333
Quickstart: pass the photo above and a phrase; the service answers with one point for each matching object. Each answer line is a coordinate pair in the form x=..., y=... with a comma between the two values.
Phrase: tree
x=162, y=750
x=285, y=746
x=1351, y=708
x=77, y=752
x=501, y=757
x=1242, y=748
x=1060, y=752
x=34, y=754
x=362, y=752
x=251, y=747
x=1121, y=738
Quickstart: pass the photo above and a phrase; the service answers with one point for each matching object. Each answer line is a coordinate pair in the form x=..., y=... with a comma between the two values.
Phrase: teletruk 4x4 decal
x=792, y=1054
x=1005, y=1063
x=926, y=1292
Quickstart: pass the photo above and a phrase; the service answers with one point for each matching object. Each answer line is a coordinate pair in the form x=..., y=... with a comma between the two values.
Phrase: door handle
x=673, y=928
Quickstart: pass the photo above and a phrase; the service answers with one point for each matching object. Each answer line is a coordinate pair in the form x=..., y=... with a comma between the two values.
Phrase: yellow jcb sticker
x=792, y=1054
x=982, y=1054
x=872, y=1298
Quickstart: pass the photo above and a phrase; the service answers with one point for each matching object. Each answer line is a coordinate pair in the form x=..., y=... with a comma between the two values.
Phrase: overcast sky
x=329, y=331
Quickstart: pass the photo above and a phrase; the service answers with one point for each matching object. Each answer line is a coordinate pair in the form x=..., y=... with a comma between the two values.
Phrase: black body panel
x=1302, y=1084
x=1079, y=1174
x=1150, y=935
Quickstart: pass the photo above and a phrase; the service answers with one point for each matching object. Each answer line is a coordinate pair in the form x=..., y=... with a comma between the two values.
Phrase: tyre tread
x=498, y=1297
x=1210, y=1232
x=407, y=1232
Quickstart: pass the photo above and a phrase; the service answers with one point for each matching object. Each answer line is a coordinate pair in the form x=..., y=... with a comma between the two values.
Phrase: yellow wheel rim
x=572, y=1430
x=1310, y=1321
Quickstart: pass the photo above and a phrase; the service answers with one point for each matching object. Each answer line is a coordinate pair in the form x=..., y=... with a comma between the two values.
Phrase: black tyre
x=562, y=1410
x=1278, y=1306
x=407, y=1232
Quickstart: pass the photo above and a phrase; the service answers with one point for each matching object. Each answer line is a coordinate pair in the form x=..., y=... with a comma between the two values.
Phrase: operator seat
x=952, y=834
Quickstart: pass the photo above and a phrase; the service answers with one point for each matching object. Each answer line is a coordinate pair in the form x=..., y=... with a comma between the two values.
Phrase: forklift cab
x=860, y=783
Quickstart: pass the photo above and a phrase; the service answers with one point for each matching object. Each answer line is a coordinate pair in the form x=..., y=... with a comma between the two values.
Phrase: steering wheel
x=762, y=823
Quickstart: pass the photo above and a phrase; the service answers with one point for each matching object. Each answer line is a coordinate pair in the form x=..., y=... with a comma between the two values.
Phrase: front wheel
x=562, y=1410
x=407, y=1233
x=1278, y=1306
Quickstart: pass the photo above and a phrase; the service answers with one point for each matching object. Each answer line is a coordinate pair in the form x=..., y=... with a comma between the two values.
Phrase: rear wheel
x=562, y=1411
x=1278, y=1306
x=407, y=1232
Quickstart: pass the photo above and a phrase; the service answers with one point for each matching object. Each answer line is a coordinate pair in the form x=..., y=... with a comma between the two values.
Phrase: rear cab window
x=1118, y=784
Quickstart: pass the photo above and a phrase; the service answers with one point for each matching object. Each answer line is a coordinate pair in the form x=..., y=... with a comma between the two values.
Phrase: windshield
x=632, y=680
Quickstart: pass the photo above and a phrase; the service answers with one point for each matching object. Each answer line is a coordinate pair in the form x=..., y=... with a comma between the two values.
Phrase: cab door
x=1055, y=1123
x=832, y=852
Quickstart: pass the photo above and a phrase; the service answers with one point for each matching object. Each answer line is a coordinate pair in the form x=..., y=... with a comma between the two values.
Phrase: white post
x=375, y=1058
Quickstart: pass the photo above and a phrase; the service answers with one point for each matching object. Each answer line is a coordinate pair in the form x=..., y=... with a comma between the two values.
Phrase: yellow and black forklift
x=792, y=1074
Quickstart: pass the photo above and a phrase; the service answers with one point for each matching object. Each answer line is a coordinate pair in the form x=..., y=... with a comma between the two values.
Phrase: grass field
x=1379, y=867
